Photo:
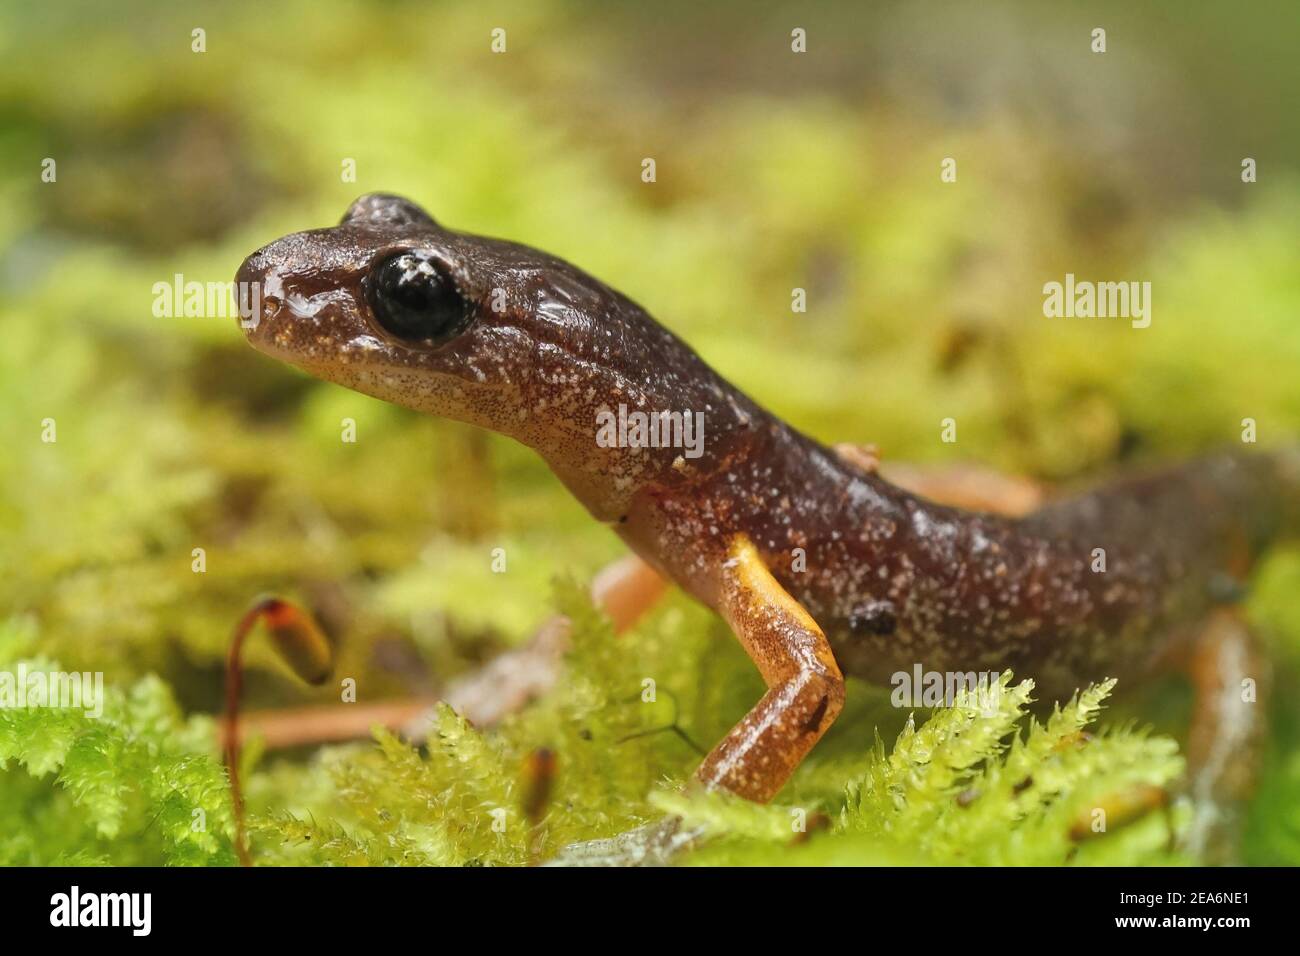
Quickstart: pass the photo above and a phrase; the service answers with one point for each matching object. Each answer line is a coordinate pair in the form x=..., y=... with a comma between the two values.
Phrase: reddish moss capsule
x=299, y=640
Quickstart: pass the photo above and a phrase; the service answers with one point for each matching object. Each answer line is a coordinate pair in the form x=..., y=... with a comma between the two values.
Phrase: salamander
x=819, y=564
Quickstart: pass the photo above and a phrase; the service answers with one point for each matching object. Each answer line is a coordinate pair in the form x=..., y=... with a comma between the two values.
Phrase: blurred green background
x=774, y=170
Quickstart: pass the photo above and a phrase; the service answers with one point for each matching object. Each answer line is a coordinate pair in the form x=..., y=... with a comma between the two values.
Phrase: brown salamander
x=817, y=563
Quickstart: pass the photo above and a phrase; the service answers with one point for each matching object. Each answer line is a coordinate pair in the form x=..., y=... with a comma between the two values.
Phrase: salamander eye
x=415, y=298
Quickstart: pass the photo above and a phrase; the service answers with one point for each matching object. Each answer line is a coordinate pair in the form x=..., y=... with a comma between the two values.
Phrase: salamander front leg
x=754, y=760
x=805, y=694
x=806, y=689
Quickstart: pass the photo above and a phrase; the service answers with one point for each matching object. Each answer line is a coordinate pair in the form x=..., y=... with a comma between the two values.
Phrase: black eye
x=414, y=297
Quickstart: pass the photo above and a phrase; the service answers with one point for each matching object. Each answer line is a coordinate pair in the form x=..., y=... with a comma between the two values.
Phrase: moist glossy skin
x=892, y=579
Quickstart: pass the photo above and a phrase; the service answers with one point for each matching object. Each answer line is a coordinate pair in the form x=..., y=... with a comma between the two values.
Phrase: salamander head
x=483, y=331
x=391, y=304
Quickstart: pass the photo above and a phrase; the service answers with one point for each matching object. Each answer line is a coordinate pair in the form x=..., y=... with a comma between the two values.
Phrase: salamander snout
x=249, y=283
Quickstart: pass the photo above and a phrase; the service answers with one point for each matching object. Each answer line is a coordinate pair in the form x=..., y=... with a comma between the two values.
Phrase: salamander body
x=817, y=563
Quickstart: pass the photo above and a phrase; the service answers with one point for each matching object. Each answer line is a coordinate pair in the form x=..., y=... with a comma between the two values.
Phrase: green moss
x=134, y=784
